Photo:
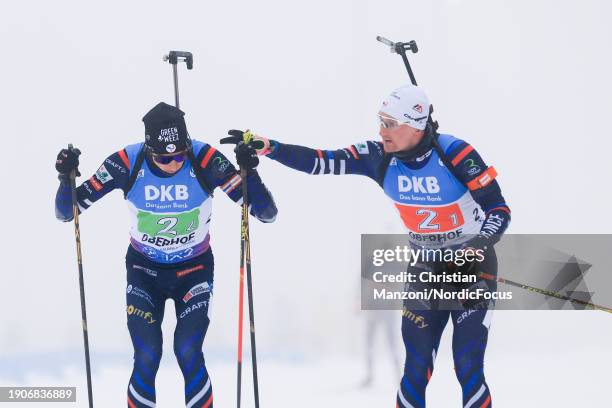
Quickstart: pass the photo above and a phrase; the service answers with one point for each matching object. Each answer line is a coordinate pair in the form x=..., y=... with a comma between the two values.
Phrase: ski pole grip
x=385, y=41
x=174, y=57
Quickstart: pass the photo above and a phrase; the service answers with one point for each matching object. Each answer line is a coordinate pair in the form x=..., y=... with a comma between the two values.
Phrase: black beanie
x=165, y=129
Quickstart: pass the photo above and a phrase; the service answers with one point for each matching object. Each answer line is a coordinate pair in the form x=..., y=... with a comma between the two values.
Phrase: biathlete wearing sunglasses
x=170, y=211
x=441, y=207
x=169, y=256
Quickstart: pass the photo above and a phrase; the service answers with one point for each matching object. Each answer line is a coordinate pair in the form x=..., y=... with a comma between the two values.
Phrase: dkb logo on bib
x=165, y=193
x=418, y=184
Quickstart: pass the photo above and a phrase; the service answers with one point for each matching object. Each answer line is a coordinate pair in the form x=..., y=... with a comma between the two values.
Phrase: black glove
x=469, y=264
x=246, y=154
x=476, y=248
x=479, y=242
x=238, y=136
x=464, y=268
x=67, y=160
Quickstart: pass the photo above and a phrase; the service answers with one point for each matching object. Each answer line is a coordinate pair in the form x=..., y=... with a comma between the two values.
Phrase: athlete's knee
x=469, y=362
x=147, y=342
x=149, y=357
x=419, y=364
x=187, y=357
x=419, y=373
x=188, y=353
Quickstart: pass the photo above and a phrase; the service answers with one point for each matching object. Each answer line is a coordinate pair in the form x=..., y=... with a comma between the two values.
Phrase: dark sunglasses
x=179, y=158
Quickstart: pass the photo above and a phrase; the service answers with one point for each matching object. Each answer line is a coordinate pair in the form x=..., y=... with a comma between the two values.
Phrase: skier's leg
x=471, y=330
x=421, y=332
x=145, y=312
x=470, y=335
x=192, y=301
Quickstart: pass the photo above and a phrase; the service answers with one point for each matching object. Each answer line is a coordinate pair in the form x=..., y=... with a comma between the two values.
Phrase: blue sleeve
x=472, y=171
x=112, y=174
x=219, y=172
x=361, y=158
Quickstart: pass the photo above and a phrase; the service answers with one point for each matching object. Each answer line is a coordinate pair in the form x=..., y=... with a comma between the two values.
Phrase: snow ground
x=548, y=371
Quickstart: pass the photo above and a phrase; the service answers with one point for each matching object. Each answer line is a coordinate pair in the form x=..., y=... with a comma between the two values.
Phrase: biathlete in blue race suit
x=167, y=183
x=447, y=197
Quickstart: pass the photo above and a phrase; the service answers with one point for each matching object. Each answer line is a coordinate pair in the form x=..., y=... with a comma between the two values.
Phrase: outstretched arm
x=361, y=158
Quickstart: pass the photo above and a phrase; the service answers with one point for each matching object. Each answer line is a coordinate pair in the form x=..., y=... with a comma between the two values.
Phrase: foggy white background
x=526, y=82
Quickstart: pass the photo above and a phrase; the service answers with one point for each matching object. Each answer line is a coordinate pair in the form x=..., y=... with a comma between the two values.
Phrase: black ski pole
x=401, y=48
x=243, y=232
x=246, y=249
x=77, y=235
x=545, y=292
x=173, y=58
x=237, y=137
